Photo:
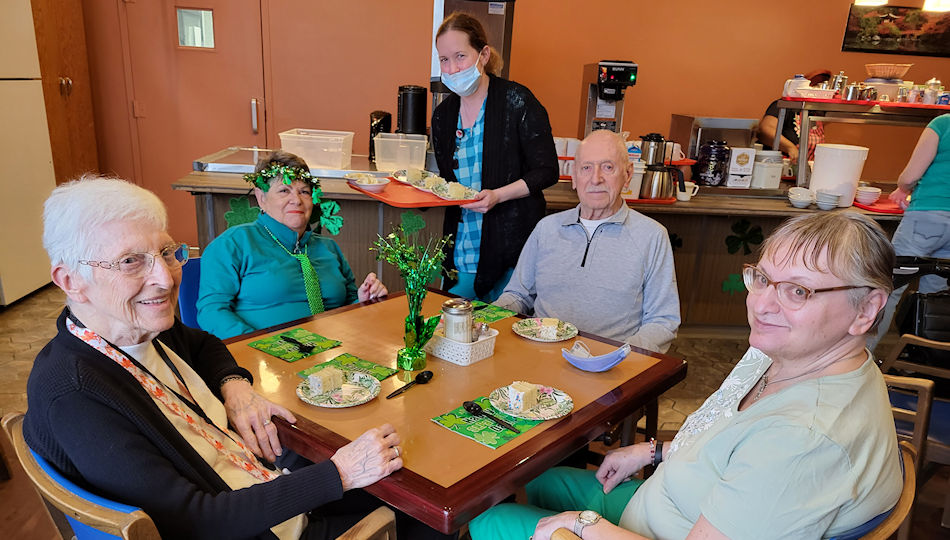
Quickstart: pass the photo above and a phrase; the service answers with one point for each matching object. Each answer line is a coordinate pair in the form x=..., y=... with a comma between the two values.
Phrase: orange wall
x=329, y=64
x=724, y=58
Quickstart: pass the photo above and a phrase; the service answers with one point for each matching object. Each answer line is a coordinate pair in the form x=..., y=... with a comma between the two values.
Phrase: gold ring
x=396, y=448
x=267, y=421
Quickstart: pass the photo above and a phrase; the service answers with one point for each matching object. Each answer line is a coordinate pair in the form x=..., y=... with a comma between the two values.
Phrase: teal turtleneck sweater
x=248, y=282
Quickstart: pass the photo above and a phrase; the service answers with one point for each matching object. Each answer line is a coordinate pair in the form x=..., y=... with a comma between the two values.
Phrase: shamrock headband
x=289, y=174
x=324, y=211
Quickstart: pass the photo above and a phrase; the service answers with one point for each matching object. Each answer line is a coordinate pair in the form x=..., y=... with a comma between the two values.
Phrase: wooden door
x=191, y=101
x=61, y=44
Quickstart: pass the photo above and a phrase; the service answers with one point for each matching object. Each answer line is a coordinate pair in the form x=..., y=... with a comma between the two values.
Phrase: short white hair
x=76, y=211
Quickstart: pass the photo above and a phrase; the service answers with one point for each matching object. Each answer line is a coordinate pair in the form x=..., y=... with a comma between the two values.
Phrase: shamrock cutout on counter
x=744, y=237
x=241, y=212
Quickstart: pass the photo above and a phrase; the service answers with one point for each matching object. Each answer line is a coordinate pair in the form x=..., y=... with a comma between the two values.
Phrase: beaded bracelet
x=234, y=377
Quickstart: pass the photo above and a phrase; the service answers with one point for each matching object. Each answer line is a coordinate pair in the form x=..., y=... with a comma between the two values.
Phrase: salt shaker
x=458, y=319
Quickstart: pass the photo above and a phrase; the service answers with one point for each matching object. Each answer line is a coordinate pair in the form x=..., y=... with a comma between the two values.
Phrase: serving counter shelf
x=850, y=112
x=699, y=230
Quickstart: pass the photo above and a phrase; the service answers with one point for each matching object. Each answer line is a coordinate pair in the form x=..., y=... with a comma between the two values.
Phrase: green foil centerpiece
x=418, y=265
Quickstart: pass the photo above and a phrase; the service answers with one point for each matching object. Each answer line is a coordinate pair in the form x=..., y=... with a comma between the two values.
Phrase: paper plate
x=552, y=403
x=529, y=328
x=357, y=390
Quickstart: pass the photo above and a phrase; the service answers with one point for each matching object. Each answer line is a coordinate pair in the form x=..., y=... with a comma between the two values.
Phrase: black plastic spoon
x=304, y=348
x=421, y=378
x=476, y=410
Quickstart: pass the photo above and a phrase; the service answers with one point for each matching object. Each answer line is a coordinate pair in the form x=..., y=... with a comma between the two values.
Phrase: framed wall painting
x=897, y=30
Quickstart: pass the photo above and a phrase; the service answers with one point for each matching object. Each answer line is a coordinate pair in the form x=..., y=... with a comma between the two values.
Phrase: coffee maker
x=379, y=122
x=602, y=92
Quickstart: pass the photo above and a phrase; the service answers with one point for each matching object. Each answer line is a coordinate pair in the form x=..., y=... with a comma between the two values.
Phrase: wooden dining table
x=448, y=479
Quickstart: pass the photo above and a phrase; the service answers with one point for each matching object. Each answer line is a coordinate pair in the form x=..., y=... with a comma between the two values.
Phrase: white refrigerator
x=26, y=161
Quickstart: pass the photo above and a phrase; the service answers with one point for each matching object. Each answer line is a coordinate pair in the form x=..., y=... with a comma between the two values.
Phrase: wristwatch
x=585, y=518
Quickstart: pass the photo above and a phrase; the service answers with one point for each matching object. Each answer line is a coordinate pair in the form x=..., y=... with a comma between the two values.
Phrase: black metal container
x=712, y=164
x=411, y=109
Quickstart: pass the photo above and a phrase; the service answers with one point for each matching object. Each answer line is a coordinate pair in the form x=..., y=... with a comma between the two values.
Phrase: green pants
x=558, y=490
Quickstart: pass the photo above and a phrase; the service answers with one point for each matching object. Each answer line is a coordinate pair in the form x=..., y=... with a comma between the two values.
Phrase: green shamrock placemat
x=490, y=313
x=348, y=362
x=482, y=429
x=289, y=351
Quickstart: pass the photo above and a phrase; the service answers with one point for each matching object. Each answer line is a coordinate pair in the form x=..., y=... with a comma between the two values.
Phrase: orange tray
x=904, y=105
x=671, y=200
x=405, y=196
x=882, y=206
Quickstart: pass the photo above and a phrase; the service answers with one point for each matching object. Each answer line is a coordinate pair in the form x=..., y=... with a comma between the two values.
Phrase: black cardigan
x=517, y=145
x=94, y=422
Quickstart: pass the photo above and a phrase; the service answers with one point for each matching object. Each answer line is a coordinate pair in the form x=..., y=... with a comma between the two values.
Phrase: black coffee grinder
x=411, y=110
x=379, y=122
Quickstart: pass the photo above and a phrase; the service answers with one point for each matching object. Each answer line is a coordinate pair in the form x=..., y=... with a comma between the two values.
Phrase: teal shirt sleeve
x=793, y=475
x=218, y=286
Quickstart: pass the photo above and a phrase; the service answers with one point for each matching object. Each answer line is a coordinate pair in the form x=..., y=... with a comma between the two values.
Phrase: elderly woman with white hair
x=798, y=442
x=132, y=404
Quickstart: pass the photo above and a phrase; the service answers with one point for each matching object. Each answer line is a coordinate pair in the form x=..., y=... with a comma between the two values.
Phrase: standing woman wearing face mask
x=494, y=136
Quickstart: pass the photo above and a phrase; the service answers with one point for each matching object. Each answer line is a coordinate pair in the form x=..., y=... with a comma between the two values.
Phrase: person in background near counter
x=791, y=129
x=924, y=230
x=602, y=266
x=493, y=136
x=799, y=440
x=276, y=270
x=128, y=402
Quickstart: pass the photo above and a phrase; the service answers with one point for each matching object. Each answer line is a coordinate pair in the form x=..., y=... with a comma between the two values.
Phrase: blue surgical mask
x=579, y=356
x=464, y=82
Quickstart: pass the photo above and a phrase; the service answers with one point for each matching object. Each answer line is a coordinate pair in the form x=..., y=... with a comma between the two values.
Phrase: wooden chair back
x=380, y=524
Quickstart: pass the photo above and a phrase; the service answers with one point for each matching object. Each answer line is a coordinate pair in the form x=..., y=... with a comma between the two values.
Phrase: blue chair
x=188, y=292
x=91, y=517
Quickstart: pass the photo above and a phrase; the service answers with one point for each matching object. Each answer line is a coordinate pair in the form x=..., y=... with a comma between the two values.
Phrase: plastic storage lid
x=769, y=155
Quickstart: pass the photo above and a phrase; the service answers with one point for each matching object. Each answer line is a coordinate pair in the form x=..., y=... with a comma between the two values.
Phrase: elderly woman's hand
x=250, y=414
x=547, y=525
x=371, y=288
x=484, y=201
x=621, y=464
x=374, y=455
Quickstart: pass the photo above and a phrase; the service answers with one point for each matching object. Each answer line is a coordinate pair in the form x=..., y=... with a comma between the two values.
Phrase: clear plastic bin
x=319, y=148
x=396, y=151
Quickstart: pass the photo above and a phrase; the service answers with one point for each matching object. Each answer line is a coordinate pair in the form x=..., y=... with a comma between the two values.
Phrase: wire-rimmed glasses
x=789, y=294
x=138, y=264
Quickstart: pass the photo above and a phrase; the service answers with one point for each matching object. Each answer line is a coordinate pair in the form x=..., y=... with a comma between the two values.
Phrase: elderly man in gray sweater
x=601, y=265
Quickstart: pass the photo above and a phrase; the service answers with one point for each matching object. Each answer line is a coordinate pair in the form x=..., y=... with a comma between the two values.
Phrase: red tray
x=671, y=200
x=902, y=105
x=882, y=206
x=405, y=196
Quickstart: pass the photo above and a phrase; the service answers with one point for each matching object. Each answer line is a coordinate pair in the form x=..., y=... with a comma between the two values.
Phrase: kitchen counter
x=712, y=235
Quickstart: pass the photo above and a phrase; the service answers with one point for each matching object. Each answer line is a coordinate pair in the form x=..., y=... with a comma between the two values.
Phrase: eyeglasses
x=139, y=264
x=790, y=295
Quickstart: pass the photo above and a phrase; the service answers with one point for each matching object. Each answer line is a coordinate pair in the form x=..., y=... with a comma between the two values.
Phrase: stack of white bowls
x=800, y=197
x=826, y=200
x=867, y=195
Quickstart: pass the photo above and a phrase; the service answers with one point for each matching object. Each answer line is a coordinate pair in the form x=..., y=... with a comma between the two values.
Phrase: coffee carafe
x=659, y=182
x=651, y=148
x=379, y=122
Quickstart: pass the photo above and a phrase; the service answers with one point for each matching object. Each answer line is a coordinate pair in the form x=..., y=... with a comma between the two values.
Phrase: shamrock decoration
x=328, y=220
x=733, y=284
x=412, y=222
x=675, y=241
x=241, y=212
x=488, y=438
x=744, y=236
x=450, y=421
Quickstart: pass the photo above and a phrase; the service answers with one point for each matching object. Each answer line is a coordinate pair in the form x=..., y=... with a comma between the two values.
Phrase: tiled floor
x=26, y=326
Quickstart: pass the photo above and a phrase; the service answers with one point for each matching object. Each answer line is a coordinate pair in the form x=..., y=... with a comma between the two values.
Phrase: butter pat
x=328, y=378
x=548, y=329
x=522, y=396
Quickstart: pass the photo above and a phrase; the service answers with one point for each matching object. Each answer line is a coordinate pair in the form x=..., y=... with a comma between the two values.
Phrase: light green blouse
x=811, y=461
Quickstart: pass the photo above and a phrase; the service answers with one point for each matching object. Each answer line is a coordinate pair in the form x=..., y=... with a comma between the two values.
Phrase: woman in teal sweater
x=275, y=269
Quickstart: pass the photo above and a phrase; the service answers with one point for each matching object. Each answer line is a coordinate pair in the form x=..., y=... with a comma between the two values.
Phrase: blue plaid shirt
x=468, y=154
